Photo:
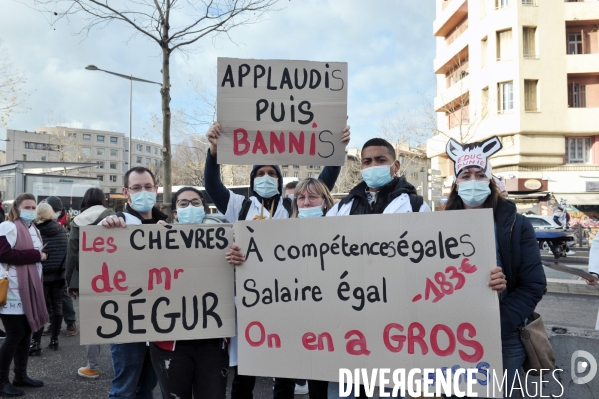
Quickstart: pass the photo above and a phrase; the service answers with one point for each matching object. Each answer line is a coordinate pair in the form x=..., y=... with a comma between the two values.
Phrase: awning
x=578, y=198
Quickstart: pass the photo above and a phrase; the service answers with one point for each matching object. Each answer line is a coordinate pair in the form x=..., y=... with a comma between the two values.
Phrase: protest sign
x=151, y=283
x=275, y=112
x=376, y=291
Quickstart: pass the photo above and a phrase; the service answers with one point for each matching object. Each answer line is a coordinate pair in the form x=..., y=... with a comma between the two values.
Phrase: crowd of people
x=39, y=258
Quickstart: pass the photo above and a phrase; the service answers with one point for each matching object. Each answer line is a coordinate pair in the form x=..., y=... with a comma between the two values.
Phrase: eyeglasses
x=310, y=198
x=137, y=189
x=183, y=203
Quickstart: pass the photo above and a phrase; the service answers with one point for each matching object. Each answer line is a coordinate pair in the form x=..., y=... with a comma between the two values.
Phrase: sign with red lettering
x=376, y=291
x=281, y=112
x=152, y=283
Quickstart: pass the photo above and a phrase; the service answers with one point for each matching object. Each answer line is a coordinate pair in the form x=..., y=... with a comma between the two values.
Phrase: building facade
x=528, y=72
x=109, y=150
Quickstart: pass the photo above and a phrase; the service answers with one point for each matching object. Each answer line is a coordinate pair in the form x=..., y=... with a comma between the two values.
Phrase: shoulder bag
x=540, y=357
x=4, y=287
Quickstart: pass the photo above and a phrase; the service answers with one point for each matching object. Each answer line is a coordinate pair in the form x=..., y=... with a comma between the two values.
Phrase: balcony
x=581, y=10
x=453, y=13
x=459, y=90
x=448, y=57
x=582, y=63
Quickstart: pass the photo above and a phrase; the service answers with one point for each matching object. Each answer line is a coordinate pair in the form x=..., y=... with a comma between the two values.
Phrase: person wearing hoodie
x=53, y=271
x=93, y=210
x=196, y=367
x=266, y=202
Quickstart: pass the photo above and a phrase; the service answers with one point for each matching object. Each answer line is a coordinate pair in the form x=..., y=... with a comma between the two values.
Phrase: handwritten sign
x=377, y=291
x=280, y=112
x=150, y=283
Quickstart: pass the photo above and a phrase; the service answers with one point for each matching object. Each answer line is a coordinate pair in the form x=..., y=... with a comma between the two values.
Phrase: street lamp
x=131, y=79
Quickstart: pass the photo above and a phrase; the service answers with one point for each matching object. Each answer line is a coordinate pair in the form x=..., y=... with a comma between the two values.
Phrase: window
x=86, y=151
x=309, y=174
x=485, y=100
x=155, y=151
x=530, y=95
x=148, y=149
x=414, y=175
x=101, y=177
x=575, y=43
x=87, y=137
x=43, y=158
x=529, y=42
x=284, y=166
x=578, y=150
x=505, y=96
x=316, y=166
x=72, y=135
x=113, y=178
x=295, y=167
x=24, y=157
x=295, y=174
x=100, y=139
x=112, y=165
x=147, y=161
x=577, y=95
x=529, y=2
x=501, y=3
x=114, y=153
x=537, y=222
x=113, y=191
x=114, y=140
x=100, y=151
x=139, y=159
x=504, y=45
x=100, y=165
x=139, y=147
x=284, y=174
x=483, y=52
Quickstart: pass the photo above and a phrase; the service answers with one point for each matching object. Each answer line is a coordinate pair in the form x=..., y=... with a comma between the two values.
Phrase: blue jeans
x=134, y=376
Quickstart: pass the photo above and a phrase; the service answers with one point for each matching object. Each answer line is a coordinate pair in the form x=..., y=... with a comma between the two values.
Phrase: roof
x=41, y=167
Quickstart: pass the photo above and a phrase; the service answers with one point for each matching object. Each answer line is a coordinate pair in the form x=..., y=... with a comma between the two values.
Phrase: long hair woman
x=25, y=310
x=517, y=252
x=53, y=268
x=93, y=210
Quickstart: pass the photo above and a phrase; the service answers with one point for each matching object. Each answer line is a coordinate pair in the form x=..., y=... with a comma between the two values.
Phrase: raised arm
x=330, y=174
x=212, y=182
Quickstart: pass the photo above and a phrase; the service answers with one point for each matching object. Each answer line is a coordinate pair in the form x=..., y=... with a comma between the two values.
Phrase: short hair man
x=290, y=188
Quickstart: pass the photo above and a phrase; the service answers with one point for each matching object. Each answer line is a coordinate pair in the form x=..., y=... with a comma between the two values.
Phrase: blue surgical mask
x=143, y=201
x=377, y=176
x=312, y=212
x=27, y=215
x=266, y=186
x=474, y=192
x=190, y=214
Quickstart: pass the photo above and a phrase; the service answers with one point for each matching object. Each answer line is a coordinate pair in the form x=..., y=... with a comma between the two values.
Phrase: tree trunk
x=166, y=124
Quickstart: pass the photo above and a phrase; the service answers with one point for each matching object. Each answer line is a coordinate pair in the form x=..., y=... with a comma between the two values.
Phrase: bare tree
x=12, y=96
x=189, y=161
x=350, y=174
x=172, y=25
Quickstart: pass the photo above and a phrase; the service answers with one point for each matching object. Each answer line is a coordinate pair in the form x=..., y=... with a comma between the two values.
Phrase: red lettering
x=259, y=144
x=313, y=144
x=479, y=351
x=416, y=338
x=277, y=144
x=98, y=245
x=157, y=274
x=435, y=344
x=309, y=341
x=321, y=338
x=177, y=271
x=120, y=277
x=240, y=141
x=111, y=244
x=297, y=144
x=399, y=339
x=356, y=346
x=104, y=277
x=262, y=334
x=274, y=341
x=84, y=246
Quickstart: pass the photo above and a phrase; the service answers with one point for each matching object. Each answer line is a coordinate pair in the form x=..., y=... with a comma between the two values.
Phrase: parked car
x=542, y=223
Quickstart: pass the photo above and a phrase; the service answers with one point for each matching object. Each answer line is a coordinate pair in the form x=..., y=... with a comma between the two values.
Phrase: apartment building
x=528, y=72
x=109, y=150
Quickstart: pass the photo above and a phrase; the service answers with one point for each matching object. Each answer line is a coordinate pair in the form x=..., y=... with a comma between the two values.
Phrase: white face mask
x=56, y=215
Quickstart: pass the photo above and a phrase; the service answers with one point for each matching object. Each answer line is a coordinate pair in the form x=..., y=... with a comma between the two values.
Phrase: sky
x=388, y=45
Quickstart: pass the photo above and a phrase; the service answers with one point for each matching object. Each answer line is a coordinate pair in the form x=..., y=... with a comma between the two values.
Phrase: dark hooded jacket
x=392, y=190
x=521, y=263
x=55, y=240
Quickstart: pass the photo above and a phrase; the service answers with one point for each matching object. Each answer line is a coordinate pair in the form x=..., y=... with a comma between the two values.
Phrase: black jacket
x=393, y=189
x=521, y=259
x=55, y=240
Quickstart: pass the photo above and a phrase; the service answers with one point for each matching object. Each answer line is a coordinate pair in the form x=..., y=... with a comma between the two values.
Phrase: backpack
x=416, y=201
x=245, y=207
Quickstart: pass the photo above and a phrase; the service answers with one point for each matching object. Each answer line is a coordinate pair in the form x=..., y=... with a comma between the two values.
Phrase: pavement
x=564, y=283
